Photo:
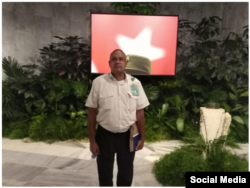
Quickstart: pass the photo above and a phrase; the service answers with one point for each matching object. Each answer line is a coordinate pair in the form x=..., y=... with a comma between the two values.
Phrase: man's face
x=118, y=62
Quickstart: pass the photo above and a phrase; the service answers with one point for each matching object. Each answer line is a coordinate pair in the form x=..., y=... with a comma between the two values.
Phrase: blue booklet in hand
x=136, y=138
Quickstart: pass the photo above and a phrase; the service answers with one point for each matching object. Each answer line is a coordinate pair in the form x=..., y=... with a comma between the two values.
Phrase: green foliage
x=79, y=130
x=48, y=100
x=206, y=28
x=213, y=73
x=8, y=98
x=12, y=69
x=55, y=128
x=36, y=127
x=51, y=128
x=155, y=131
x=167, y=113
x=152, y=92
x=224, y=161
x=197, y=143
x=210, y=72
x=39, y=95
x=17, y=129
x=134, y=8
x=171, y=169
x=68, y=58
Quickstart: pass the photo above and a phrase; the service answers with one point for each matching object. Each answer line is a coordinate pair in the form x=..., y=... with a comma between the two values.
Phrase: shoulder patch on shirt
x=134, y=90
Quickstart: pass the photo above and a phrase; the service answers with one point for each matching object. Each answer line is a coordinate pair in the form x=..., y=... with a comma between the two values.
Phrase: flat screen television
x=149, y=42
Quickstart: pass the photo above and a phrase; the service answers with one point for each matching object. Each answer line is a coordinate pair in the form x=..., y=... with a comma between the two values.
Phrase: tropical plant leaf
x=230, y=142
x=218, y=95
x=232, y=125
x=171, y=122
x=7, y=92
x=196, y=110
x=28, y=107
x=72, y=108
x=238, y=107
x=152, y=92
x=214, y=74
x=58, y=112
x=62, y=107
x=61, y=95
x=184, y=103
x=164, y=109
x=245, y=94
x=208, y=79
x=12, y=68
x=85, y=122
x=79, y=88
x=73, y=115
x=195, y=88
x=155, y=126
x=196, y=142
x=238, y=119
x=245, y=120
x=226, y=107
x=43, y=106
x=232, y=96
x=51, y=96
x=28, y=94
x=176, y=100
x=233, y=88
x=180, y=124
x=81, y=112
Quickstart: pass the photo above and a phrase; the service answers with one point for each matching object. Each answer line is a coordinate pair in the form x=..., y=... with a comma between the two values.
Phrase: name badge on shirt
x=134, y=90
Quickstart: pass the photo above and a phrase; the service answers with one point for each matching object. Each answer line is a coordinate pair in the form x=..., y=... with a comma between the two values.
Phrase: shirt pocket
x=106, y=101
x=132, y=102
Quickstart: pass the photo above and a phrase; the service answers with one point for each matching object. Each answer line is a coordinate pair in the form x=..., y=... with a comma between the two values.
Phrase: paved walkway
x=70, y=163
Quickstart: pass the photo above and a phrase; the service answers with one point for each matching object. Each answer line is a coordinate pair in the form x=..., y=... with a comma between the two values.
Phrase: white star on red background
x=141, y=45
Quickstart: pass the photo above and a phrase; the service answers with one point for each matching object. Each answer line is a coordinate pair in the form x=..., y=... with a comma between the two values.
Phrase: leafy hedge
x=55, y=89
x=49, y=105
x=171, y=169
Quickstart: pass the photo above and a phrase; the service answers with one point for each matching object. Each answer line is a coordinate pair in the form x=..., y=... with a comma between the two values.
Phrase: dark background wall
x=29, y=26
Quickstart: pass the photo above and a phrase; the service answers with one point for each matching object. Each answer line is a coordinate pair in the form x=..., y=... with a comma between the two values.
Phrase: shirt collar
x=112, y=78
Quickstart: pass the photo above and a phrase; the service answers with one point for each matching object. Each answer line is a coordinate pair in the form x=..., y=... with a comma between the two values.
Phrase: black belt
x=100, y=127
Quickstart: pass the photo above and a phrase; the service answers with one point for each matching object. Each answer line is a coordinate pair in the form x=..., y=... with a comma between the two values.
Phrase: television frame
x=136, y=75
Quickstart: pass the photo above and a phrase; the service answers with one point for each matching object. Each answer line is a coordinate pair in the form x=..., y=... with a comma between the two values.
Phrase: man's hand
x=140, y=145
x=94, y=148
x=141, y=128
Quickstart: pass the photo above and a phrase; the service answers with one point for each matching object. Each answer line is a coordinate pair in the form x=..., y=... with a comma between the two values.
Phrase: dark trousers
x=110, y=143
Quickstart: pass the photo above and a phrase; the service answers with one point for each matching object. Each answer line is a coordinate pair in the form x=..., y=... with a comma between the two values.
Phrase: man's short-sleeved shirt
x=116, y=101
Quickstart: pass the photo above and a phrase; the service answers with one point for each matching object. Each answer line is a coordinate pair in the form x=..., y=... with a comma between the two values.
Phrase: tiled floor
x=70, y=163
x=61, y=164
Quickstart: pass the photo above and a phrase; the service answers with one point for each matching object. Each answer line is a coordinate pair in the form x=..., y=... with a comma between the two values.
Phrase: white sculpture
x=214, y=123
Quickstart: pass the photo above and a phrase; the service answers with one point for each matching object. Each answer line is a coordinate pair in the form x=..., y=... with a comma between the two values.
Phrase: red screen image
x=150, y=42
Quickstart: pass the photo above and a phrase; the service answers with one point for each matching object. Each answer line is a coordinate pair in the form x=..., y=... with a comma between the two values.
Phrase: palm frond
x=8, y=103
x=7, y=92
x=12, y=68
x=152, y=92
x=196, y=142
x=230, y=142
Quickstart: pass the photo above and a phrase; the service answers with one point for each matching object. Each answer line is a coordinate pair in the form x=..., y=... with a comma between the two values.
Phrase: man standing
x=116, y=101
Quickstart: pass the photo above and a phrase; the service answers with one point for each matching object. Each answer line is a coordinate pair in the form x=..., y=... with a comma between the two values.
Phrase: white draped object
x=214, y=123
